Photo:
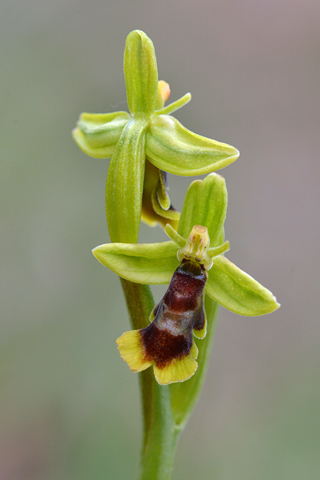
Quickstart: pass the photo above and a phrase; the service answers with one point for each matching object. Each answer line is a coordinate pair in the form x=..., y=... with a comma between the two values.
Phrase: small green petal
x=125, y=183
x=180, y=241
x=215, y=251
x=97, y=134
x=141, y=74
x=174, y=149
x=174, y=106
x=237, y=291
x=205, y=204
x=140, y=263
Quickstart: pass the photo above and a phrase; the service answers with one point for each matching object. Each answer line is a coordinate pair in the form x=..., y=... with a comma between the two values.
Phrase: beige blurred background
x=69, y=405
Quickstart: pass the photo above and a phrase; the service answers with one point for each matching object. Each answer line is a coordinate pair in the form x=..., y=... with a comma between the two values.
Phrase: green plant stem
x=160, y=434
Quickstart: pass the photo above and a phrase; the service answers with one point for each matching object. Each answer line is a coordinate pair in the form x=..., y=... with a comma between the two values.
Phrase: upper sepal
x=205, y=204
x=97, y=134
x=141, y=73
x=237, y=291
x=175, y=149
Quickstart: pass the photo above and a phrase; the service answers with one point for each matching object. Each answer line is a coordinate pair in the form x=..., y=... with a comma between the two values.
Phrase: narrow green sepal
x=175, y=149
x=141, y=74
x=237, y=291
x=125, y=183
x=205, y=204
x=149, y=264
x=97, y=134
x=180, y=241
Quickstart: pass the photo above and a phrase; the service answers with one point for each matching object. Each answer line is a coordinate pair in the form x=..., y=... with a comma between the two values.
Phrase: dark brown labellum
x=181, y=310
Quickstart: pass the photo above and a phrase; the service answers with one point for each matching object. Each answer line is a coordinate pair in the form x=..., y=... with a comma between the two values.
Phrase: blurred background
x=69, y=406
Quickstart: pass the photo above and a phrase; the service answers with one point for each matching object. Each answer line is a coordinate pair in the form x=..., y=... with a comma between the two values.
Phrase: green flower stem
x=160, y=433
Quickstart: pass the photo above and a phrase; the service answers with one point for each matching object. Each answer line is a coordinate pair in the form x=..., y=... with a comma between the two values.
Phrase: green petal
x=173, y=107
x=205, y=204
x=97, y=134
x=125, y=184
x=140, y=263
x=174, y=149
x=237, y=291
x=141, y=74
x=171, y=232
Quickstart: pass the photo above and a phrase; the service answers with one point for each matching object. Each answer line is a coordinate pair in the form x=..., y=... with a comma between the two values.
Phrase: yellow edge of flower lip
x=131, y=350
x=178, y=371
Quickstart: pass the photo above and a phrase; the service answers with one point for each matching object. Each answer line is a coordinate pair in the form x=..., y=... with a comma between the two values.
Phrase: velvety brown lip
x=169, y=336
x=186, y=287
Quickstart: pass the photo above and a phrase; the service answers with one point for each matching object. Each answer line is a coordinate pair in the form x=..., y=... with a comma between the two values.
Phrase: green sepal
x=237, y=291
x=205, y=204
x=174, y=149
x=125, y=183
x=149, y=264
x=97, y=134
x=141, y=73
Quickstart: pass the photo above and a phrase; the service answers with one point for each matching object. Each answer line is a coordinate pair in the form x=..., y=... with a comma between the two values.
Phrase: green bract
x=148, y=133
x=205, y=204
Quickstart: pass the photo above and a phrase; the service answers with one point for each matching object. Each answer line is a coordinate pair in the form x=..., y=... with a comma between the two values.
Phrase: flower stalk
x=160, y=434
